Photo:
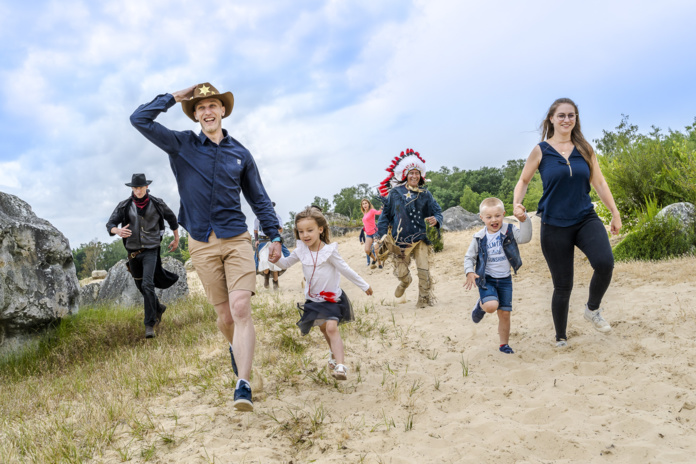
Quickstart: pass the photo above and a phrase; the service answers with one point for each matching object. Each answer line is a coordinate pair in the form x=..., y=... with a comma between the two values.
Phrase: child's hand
x=520, y=212
x=369, y=291
x=470, y=280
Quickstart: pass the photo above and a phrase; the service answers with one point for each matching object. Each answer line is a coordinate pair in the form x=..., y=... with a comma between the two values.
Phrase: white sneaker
x=595, y=317
x=561, y=344
x=340, y=372
x=332, y=362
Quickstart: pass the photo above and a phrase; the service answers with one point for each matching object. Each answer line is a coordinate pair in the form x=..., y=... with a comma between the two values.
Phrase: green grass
x=84, y=390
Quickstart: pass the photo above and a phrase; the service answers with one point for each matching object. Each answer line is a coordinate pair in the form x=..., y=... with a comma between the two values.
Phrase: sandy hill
x=428, y=385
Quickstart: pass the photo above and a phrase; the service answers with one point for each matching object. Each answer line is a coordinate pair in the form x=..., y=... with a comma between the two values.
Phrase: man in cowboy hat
x=142, y=219
x=211, y=168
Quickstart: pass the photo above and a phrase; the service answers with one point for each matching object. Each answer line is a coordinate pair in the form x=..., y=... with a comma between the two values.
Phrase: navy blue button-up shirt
x=210, y=177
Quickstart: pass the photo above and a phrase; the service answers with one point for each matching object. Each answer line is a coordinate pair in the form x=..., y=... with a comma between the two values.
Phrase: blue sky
x=326, y=92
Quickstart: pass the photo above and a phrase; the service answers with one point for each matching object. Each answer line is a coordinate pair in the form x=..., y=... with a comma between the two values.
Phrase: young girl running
x=326, y=305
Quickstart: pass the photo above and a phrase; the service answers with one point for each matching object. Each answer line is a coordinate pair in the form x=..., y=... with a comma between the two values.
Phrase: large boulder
x=457, y=218
x=684, y=212
x=338, y=231
x=119, y=287
x=289, y=239
x=89, y=294
x=38, y=283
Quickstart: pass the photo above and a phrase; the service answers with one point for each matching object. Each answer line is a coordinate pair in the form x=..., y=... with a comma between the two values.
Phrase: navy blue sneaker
x=506, y=349
x=478, y=313
x=234, y=364
x=242, y=397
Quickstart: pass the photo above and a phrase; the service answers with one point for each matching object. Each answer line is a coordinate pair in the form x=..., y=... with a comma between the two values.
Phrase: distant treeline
x=450, y=187
x=645, y=173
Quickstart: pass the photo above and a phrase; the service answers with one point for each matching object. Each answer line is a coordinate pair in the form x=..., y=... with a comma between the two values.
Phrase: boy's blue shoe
x=234, y=364
x=242, y=397
x=478, y=313
x=506, y=349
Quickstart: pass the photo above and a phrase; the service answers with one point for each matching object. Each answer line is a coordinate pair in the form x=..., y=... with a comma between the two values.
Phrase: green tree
x=654, y=165
x=181, y=253
x=534, y=191
x=322, y=203
x=346, y=202
x=470, y=200
x=112, y=253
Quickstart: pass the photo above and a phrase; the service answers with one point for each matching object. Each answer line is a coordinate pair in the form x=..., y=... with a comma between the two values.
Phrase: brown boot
x=400, y=289
x=266, y=278
x=275, y=285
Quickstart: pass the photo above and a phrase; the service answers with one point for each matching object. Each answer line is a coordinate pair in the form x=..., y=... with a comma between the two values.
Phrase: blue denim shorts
x=499, y=290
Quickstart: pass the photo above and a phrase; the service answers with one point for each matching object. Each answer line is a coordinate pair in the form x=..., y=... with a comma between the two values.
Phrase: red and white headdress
x=399, y=168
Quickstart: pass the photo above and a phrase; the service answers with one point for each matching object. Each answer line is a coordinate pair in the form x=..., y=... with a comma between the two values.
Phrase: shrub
x=435, y=238
x=660, y=238
x=657, y=165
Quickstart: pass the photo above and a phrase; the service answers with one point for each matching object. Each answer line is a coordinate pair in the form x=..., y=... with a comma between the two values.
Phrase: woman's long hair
x=313, y=212
x=576, y=136
x=368, y=208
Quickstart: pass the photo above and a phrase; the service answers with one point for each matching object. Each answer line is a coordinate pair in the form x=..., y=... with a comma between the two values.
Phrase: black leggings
x=558, y=245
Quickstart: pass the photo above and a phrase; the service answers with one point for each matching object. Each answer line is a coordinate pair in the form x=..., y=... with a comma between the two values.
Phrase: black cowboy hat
x=139, y=180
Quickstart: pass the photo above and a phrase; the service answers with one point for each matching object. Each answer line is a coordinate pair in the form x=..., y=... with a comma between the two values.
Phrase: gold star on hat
x=203, y=91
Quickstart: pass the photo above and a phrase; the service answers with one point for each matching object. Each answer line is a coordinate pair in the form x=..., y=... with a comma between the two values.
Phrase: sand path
x=431, y=386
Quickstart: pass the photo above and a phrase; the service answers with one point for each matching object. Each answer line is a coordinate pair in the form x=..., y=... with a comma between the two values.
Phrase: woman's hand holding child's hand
x=520, y=212
x=470, y=280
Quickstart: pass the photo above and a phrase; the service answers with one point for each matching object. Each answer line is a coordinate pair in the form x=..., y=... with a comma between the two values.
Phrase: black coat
x=120, y=215
x=162, y=278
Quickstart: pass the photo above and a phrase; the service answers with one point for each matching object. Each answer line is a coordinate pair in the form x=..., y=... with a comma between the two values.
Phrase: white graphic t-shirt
x=497, y=265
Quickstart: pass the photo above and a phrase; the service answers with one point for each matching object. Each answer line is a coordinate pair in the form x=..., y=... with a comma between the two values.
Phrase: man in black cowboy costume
x=142, y=216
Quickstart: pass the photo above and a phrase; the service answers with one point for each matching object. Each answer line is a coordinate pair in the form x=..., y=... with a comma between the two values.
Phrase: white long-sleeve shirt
x=322, y=271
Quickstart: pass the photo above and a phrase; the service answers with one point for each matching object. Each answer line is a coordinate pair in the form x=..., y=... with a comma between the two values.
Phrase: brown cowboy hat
x=203, y=91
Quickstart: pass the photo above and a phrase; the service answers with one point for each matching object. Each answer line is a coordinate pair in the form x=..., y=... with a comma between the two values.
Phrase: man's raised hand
x=185, y=94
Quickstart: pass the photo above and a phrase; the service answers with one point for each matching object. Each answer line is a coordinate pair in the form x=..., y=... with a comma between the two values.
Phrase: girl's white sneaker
x=340, y=372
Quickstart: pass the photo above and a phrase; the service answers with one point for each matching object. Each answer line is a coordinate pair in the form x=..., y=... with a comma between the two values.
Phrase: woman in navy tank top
x=568, y=167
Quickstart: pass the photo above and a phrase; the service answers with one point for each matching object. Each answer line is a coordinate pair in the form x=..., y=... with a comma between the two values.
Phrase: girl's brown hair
x=576, y=136
x=312, y=212
x=368, y=208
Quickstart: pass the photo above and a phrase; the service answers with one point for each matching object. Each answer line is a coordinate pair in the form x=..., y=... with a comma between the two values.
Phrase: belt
x=135, y=253
x=263, y=238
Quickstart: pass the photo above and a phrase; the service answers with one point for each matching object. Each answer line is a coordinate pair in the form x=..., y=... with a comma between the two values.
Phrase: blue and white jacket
x=405, y=211
x=477, y=254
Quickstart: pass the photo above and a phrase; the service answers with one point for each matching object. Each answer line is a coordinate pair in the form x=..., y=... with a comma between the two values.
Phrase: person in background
x=139, y=221
x=263, y=266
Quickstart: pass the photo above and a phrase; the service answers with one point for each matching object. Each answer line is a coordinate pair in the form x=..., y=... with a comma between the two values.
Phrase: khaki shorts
x=224, y=265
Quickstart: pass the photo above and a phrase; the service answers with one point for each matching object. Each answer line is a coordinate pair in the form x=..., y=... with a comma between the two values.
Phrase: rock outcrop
x=457, y=218
x=99, y=274
x=38, y=283
x=685, y=212
x=119, y=288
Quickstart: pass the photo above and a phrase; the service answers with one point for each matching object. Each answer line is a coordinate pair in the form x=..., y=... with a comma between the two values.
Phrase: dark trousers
x=558, y=246
x=142, y=269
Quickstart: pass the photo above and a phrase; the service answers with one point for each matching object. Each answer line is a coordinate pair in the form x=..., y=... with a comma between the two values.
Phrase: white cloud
x=326, y=93
x=9, y=175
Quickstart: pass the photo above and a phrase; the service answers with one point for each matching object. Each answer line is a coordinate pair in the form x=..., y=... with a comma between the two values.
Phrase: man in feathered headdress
x=407, y=209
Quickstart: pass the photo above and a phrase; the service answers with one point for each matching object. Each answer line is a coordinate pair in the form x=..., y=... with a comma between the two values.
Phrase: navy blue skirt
x=316, y=314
